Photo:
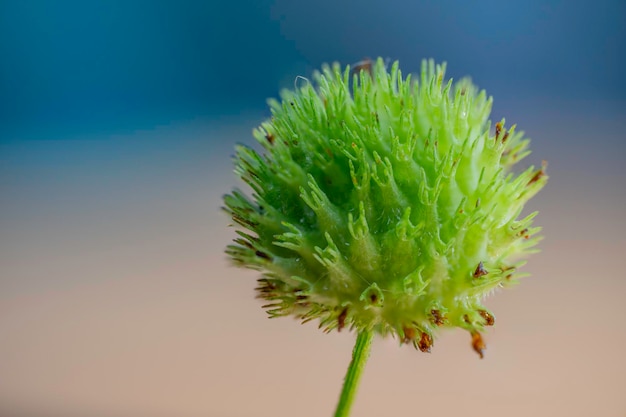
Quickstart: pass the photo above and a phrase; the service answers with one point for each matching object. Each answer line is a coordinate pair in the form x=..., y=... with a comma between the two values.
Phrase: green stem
x=360, y=354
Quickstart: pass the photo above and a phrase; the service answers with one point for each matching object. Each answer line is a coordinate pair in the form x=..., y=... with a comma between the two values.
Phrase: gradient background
x=117, y=122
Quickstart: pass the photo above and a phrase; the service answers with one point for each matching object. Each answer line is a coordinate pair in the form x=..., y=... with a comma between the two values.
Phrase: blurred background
x=117, y=123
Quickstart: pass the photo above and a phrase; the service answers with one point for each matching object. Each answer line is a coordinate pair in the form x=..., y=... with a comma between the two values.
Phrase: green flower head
x=384, y=203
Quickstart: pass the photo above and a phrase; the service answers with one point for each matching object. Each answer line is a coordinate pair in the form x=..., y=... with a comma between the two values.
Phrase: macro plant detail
x=385, y=205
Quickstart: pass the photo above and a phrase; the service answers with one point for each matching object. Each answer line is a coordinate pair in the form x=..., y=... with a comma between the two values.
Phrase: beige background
x=116, y=298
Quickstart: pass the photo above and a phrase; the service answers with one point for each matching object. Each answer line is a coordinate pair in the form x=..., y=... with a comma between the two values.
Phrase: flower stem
x=360, y=354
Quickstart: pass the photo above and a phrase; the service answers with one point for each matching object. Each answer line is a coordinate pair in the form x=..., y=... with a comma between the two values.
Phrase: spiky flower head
x=384, y=203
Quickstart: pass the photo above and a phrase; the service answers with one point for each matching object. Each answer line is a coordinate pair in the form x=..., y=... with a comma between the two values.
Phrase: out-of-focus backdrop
x=117, y=122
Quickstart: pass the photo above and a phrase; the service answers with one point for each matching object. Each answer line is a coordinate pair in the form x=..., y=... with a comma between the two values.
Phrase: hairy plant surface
x=384, y=204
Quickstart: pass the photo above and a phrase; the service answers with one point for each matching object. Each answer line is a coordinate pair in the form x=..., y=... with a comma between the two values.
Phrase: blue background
x=75, y=67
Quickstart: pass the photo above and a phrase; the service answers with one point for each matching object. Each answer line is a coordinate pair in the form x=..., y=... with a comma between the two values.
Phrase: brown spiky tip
x=480, y=271
x=363, y=65
x=425, y=342
x=478, y=344
x=540, y=173
x=489, y=319
x=409, y=334
x=438, y=318
x=499, y=130
x=341, y=319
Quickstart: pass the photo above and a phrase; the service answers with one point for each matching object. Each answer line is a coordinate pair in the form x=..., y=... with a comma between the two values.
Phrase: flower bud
x=384, y=203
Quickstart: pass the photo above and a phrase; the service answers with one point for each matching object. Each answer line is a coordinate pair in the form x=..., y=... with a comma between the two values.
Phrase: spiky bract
x=384, y=203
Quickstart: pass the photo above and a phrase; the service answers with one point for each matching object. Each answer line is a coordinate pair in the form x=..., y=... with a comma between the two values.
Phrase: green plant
x=384, y=205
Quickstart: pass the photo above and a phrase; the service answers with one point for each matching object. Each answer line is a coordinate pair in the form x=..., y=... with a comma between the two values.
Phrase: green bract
x=384, y=203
